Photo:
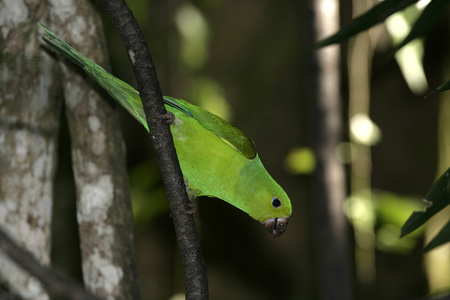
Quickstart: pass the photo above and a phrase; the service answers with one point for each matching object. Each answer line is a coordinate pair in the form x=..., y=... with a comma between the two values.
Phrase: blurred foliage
x=391, y=210
x=386, y=8
x=147, y=192
x=405, y=21
x=410, y=56
x=438, y=196
x=364, y=130
x=436, y=199
x=377, y=14
x=441, y=238
x=193, y=30
x=430, y=14
x=443, y=87
x=300, y=160
x=210, y=95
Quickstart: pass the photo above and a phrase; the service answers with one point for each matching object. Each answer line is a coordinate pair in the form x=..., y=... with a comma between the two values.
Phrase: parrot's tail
x=62, y=47
x=122, y=92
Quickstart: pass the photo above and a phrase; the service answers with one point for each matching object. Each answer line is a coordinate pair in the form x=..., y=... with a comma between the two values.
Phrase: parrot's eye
x=276, y=202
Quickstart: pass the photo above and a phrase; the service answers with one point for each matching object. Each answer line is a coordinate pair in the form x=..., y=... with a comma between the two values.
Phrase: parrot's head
x=277, y=212
x=258, y=194
x=261, y=204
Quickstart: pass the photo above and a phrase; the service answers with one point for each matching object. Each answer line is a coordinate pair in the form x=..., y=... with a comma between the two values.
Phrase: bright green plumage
x=217, y=159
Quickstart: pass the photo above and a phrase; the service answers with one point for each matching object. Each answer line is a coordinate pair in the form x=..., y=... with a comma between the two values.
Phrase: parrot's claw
x=192, y=209
x=167, y=118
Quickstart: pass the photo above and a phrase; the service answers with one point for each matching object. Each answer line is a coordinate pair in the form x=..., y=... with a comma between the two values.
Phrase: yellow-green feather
x=224, y=174
x=214, y=169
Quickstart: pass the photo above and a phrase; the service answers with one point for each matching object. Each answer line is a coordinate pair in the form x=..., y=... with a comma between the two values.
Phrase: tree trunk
x=29, y=116
x=98, y=154
x=334, y=275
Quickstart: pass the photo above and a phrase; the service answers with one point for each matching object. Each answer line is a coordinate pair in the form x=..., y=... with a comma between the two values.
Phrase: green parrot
x=216, y=158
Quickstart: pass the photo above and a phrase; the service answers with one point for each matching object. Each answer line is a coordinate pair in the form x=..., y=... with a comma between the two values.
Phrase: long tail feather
x=125, y=94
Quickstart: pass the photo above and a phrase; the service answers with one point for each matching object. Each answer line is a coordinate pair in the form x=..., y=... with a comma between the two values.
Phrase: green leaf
x=391, y=212
x=428, y=17
x=374, y=16
x=437, y=198
x=441, y=238
x=443, y=87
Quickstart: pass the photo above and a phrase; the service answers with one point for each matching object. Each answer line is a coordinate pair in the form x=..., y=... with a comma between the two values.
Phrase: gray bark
x=29, y=115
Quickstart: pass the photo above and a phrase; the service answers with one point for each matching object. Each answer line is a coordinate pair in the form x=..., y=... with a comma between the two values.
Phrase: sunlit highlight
x=409, y=58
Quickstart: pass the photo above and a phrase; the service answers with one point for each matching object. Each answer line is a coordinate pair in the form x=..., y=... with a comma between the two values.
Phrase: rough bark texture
x=196, y=281
x=103, y=205
x=29, y=115
x=51, y=280
x=334, y=274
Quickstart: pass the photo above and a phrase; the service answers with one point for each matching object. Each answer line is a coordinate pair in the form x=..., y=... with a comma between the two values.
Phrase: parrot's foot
x=192, y=209
x=167, y=118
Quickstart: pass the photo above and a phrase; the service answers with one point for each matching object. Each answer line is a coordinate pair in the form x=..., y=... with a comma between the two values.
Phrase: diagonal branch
x=48, y=277
x=194, y=266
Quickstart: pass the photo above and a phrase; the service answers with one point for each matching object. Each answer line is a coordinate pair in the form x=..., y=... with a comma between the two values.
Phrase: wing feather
x=229, y=134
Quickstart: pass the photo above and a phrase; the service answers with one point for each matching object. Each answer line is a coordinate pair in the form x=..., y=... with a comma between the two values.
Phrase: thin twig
x=196, y=281
x=49, y=278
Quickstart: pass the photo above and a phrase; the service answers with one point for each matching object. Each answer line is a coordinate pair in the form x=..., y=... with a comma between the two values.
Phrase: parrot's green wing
x=129, y=98
x=229, y=134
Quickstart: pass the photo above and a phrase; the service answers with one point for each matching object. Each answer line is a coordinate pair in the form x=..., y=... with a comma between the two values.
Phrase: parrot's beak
x=276, y=226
